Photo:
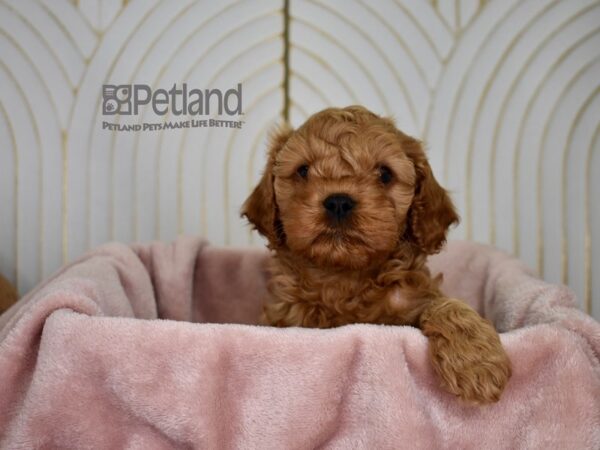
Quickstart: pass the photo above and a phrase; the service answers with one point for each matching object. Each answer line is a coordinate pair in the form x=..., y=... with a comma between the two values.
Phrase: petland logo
x=127, y=100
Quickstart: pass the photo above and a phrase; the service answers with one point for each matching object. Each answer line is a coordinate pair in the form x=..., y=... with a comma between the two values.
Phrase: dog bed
x=85, y=364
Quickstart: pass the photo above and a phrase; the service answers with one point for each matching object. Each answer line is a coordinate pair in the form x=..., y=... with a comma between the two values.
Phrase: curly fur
x=373, y=268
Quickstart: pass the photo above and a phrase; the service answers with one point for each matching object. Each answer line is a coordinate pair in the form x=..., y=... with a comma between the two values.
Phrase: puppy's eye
x=385, y=174
x=302, y=171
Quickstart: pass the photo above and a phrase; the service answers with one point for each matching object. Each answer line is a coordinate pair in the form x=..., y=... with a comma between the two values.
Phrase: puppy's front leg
x=465, y=350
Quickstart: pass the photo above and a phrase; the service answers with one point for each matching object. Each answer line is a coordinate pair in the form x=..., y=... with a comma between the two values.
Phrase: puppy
x=351, y=210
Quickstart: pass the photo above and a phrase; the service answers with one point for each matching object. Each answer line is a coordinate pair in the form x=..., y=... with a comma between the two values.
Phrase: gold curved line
x=66, y=30
x=431, y=106
x=204, y=215
x=521, y=131
x=96, y=26
x=65, y=150
x=459, y=30
x=405, y=92
x=469, y=20
x=539, y=208
x=443, y=18
x=100, y=32
x=135, y=152
x=480, y=8
x=96, y=108
x=332, y=39
x=228, y=148
x=400, y=40
x=16, y=195
x=227, y=161
x=50, y=100
x=103, y=26
x=221, y=39
x=185, y=132
x=565, y=54
x=87, y=21
x=191, y=34
x=111, y=68
x=136, y=138
x=254, y=147
x=413, y=19
x=588, y=223
x=466, y=72
x=565, y=255
x=502, y=114
x=312, y=87
x=161, y=73
x=255, y=144
x=329, y=69
x=516, y=38
x=217, y=74
x=37, y=73
x=45, y=43
x=457, y=99
x=41, y=159
x=64, y=134
x=484, y=95
x=137, y=135
x=367, y=74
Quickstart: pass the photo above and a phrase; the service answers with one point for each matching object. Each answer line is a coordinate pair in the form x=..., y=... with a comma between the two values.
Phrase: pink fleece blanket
x=84, y=362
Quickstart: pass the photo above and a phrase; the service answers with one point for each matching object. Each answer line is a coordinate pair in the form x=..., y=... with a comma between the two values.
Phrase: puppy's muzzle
x=339, y=206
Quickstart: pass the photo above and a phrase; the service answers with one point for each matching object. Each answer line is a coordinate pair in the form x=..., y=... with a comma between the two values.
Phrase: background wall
x=505, y=93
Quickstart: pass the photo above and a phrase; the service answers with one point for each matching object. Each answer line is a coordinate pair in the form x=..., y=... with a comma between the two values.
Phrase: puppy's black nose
x=339, y=206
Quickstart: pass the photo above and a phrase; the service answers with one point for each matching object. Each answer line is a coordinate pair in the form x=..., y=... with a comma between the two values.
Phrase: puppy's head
x=346, y=188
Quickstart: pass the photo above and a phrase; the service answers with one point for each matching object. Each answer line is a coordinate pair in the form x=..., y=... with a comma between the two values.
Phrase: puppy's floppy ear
x=260, y=208
x=432, y=212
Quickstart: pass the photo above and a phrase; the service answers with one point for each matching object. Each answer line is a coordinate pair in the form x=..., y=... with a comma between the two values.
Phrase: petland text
x=128, y=99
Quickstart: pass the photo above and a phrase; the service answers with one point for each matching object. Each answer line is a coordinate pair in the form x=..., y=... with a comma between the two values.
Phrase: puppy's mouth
x=339, y=237
x=340, y=248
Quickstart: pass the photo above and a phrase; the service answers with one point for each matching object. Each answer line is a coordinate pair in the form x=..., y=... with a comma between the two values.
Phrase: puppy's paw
x=466, y=352
x=474, y=371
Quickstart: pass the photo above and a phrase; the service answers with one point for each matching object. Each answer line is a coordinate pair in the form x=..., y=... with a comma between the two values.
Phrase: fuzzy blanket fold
x=84, y=363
